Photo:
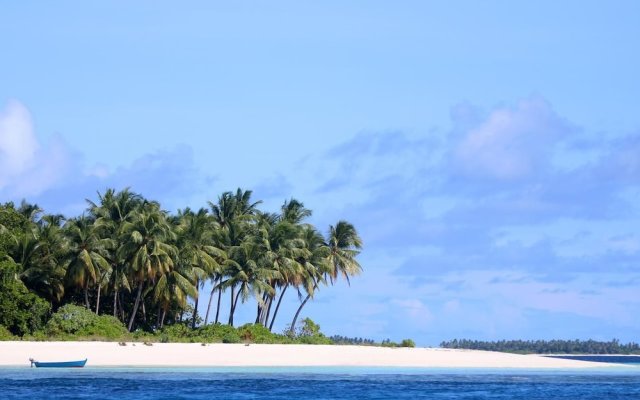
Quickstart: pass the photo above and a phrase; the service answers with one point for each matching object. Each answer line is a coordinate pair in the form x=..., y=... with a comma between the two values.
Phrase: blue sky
x=488, y=152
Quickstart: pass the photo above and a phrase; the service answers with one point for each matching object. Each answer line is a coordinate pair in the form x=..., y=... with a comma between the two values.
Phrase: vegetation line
x=130, y=260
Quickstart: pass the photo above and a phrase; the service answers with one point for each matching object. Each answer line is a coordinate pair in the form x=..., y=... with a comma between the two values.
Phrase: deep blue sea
x=316, y=383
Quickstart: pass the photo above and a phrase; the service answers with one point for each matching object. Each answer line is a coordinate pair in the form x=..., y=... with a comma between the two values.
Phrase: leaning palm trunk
x=275, y=312
x=135, y=306
x=232, y=309
x=86, y=296
x=206, y=317
x=295, y=318
x=234, y=304
x=98, y=299
x=219, y=301
x=115, y=303
x=195, y=306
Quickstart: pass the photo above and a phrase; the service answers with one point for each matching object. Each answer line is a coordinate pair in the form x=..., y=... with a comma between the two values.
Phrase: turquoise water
x=317, y=383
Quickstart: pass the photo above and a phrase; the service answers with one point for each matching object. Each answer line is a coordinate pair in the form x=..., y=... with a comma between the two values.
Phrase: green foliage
x=217, y=332
x=12, y=224
x=388, y=343
x=231, y=337
x=176, y=333
x=72, y=320
x=21, y=311
x=407, y=343
x=308, y=332
x=256, y=333
x=5, y=334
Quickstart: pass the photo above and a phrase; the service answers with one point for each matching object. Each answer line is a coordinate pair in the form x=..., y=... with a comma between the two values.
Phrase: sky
x=487, y=152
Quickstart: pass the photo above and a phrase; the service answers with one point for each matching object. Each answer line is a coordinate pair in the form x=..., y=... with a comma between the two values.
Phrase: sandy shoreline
x=261, y=355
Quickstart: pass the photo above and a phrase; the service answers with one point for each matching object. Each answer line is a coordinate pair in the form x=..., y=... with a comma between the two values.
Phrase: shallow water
x=316, y=383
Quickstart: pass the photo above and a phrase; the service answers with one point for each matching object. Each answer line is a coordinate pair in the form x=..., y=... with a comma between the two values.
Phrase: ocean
x=317, y=383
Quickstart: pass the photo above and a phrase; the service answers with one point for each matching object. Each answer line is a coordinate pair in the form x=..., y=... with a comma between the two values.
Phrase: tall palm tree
x=147, y=248
x=343, y=244
x=197, y=248
x=233, y=214
x=111, y=213
x=39, y=251
x=283, y=249
x=174, y=286
x=87, y=256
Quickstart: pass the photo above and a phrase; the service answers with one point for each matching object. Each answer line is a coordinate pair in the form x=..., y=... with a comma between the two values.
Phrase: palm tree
x=87, y=256
x=283, y=249
x=197, y=248
x=233, y=214
x=343, y=245
x=111, y=212
x=146, y=247
x=38, y=251
x=175, y=286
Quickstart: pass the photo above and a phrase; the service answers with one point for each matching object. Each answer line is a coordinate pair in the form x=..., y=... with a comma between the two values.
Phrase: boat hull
x=62, y=364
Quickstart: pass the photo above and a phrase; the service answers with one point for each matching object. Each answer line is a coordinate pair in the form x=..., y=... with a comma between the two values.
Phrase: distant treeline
x=546, y=346
x=337, y=339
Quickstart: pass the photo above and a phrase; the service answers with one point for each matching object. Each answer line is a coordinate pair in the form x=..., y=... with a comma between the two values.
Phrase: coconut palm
x=87, y=256
x=174, y=287
x=343, y=245
x=197, y=248
x=233, y=214
x=110, y=213
x=147, y=248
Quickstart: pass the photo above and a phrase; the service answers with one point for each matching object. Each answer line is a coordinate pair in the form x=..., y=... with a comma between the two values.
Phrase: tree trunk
x=213, y=289
x=219, y=301
x=164, y=314
x=265, y=319
x=86, y=297
x=260, y=313
x=295, y=318
x=195, y=306
x=135, y=306
x=275, y=312
x=115, y=303
x=144, y=310
x=158, y=317
x=98, y=299
x=121, y=307
x=233, y=289
x=234, y=305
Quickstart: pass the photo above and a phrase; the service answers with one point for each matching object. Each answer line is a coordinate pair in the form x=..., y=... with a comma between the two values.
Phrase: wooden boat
x=58, y=364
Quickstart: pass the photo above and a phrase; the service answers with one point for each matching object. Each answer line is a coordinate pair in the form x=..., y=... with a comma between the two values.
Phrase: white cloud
x=18, y=144
x=511, y=142
x=27, y=167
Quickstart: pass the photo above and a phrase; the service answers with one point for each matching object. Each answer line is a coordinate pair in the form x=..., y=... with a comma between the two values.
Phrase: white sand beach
x=240, y=355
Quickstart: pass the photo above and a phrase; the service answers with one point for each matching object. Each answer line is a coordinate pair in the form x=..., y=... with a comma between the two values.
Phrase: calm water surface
x=316, y=383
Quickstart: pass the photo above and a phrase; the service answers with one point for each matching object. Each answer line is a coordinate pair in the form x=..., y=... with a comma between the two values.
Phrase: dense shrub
x=5, y=334
x=256, y=333
x=218, y=333
x=407, y=343
x=176, y=333
x=72, y=320
x=21, y=311
x=309, y=333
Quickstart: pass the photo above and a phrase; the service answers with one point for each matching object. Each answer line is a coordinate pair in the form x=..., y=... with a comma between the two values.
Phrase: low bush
x=407, y=343
x=76, y=321
x=5, y=334
x=216, y=333
x=256, y=333
x=21, y=311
